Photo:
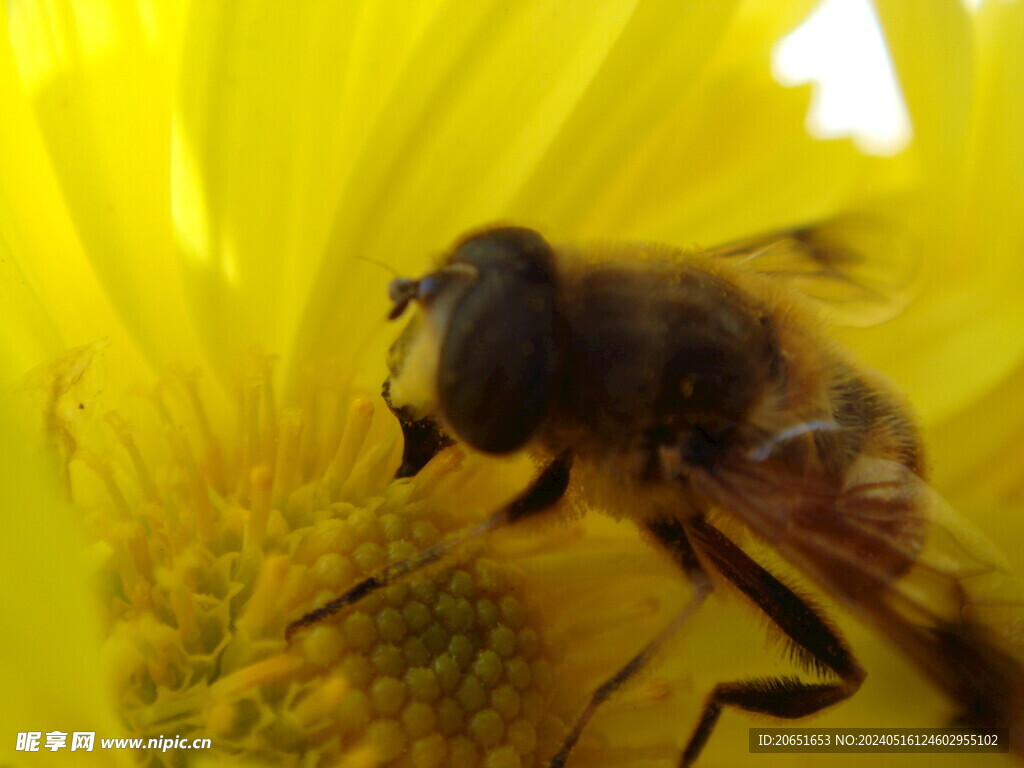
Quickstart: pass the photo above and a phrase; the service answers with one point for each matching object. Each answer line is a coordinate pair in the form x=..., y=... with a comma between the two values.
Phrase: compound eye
x=498, y=356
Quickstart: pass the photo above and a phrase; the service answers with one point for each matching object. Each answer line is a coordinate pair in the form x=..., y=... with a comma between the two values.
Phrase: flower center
x=216, y=539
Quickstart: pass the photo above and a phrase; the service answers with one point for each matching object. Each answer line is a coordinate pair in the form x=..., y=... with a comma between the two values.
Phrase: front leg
x=540, y=496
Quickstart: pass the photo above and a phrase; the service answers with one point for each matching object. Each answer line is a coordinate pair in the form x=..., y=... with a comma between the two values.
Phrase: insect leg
x=541, y=495
x=819, y=644
x=670, y=534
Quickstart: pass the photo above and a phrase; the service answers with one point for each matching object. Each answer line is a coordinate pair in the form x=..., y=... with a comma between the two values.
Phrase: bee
x=696, y=393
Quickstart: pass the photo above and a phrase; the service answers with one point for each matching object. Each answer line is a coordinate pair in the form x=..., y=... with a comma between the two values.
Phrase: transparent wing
x=859, y=268
x=900, y=558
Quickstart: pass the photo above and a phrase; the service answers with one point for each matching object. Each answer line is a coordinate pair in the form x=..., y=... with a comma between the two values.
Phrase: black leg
x=816, y=644
x=541, y=495
x=670, y=534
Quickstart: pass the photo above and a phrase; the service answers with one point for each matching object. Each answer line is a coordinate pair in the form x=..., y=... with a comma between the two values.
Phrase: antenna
x=386, y=267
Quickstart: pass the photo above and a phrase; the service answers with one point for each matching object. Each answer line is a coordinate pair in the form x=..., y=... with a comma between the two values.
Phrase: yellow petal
x=966, y=330
x=535, y=119
x=996, y=193
x=100, y=82
x=977, y=449
x=486, y=89
x=624, y=105
x=680, y=152
x=978, y=452
x=50, y=679
x=27, y=334
x=51, y=296
x=931, y=45
x=743, y=166
x=436, y=102
x=267, y=128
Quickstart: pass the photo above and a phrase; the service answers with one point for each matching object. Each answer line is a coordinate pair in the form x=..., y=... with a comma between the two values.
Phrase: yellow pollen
x=212, y=544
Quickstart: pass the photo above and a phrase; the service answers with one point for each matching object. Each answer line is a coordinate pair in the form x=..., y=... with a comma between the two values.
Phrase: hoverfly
x=674, y=387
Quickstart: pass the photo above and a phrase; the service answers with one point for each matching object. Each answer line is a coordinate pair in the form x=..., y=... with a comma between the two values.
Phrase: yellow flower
x=969, y=320
x=187, y=183
x=958, y=350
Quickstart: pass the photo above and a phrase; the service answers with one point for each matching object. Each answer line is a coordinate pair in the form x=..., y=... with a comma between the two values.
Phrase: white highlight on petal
x=199, y=240
x=46, y=38
x=188, y=201
x=841, y=49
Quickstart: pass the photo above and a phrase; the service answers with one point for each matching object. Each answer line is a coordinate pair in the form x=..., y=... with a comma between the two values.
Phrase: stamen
x=289, y=448
x=324, y=441
x=259, y=507
x=103, y=472
x=436, y=470
x=203, y=513
x=360, y=416
x=251, y=454
x=121, y=536
x=262, y=672
x=137, y=543
x=321, y=701
x=212, y=448
x=181, y=586
x=210, y=553
x=141, y=598
x=370, y=472
x=261, y=608
x=123, y=432
x=265, y=370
